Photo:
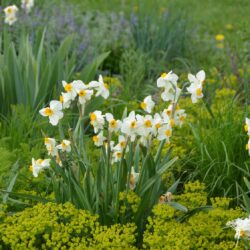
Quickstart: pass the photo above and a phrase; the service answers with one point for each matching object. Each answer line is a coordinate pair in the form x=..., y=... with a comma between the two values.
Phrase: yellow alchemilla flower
x=219, y=38
x=10, y=14
x=54, y=112
x=147, y=104
x=65, y=146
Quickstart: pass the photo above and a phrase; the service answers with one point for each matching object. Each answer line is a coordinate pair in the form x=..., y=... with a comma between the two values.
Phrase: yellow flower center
x=113, y=123
x=46, y=140
x=39, y=161
x=106, y=86
x=133, y=124
x=95, y=138
x=122, y=144
x=48, y=111
x=164, y=75
x=157, y=125
x=168, y=132
x=246, y=127
x=242, y=233
x=143, y=105
x=61, y=99
x=177, y=107
x=93, y=117
x=162, y=199
x=30, y=168
x=9, y=10
x=171, y=122
x=169, y=112
x=246, y=146
x=148, y=123
x=118, y=154
x=64, y=144
x=182, y=118
x=198, y=92
x=68, y=87
x=82, y=93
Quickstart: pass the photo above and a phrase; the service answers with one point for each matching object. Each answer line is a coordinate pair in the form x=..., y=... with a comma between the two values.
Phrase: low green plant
x=170, y=229
x=57, y=226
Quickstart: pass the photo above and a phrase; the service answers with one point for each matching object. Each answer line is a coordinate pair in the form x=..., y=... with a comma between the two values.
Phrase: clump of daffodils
x=114, y=134
x=241, y=227
x=12, y=10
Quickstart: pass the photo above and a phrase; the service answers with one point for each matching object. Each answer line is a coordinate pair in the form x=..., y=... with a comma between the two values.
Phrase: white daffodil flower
x=83, y=92
x=167, y=116
x=248, y=146
x=130, y=126
x=54, y=112
x=27, y=5
x=99, y=139
x=66, y=100
x=10, y=14
x=38, y=166
x=144, y=125
x=101, y=87
x=247, y=126
x=133, y=179
x=242, y=228
x=117, y=155
x=157, y=122
x=180, y=117
x=97, y=120
x=164, y=132
x=70, y=89
x=147, y=104
x=111, y=145
x=121, y=144
x=65, y=146
x=50, y=144
x=169, y=83
x=114, y=125
x=195, y=89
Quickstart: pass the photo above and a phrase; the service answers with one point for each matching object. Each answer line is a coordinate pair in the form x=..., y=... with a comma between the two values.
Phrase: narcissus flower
x=66, y=100
x=242, y=228
x=101, y=87
x=121, y=143
x=99, y=139
x=70, y=89
x=145, y=124
x=168, y=81
x=164, y=132
x=27, y=5
x=157, y=122
x=83, y=92
x=133, y=179
x=147, y=104
x=195, y=89
x=65, y=146
x=10, y=14
x=50, y=144
x=54, y=112
x=97, y=120
x=114, y=125
x=130, y=126
x=247, y=126
x=117, y=155
x=38, y=166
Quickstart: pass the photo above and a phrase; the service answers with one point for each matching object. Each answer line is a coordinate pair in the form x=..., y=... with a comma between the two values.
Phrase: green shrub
x=53, y=226
x=204, y=230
